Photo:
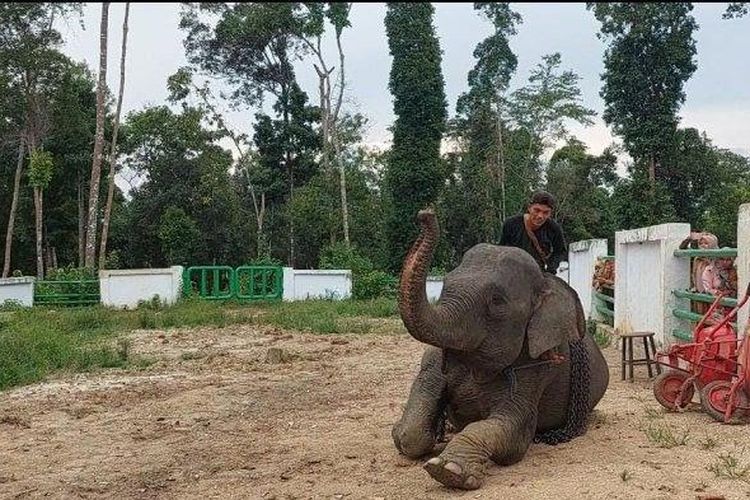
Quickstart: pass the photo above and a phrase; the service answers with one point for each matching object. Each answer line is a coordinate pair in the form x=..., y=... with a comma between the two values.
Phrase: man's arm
x=505, y=237
x=559, y=249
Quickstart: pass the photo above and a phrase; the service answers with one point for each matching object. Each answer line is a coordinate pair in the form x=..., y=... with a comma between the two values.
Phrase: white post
x=646, y=272
x=288, y=284
x=582, y=256
x=743, y=263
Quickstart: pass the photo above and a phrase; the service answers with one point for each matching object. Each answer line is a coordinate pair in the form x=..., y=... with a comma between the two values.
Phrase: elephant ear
x=557, y=318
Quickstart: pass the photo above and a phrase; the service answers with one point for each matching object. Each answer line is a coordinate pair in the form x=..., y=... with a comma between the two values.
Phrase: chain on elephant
x=578, y=405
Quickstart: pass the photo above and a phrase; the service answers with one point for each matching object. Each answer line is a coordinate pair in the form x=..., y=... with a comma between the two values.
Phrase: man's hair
x=543, y=198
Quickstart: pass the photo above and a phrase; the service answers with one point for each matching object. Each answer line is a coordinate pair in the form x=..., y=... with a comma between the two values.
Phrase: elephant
x=509, y=360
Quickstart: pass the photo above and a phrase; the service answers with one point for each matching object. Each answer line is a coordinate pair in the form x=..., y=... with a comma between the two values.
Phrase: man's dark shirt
x=550, y=237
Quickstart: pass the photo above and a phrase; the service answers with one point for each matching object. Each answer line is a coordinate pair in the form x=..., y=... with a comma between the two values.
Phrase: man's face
x=539, y=214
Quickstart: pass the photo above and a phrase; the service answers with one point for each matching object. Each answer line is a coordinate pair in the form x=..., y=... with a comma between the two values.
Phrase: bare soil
x=249, y=412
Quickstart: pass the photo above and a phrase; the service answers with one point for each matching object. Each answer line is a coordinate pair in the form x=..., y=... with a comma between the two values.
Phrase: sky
x=717, y=95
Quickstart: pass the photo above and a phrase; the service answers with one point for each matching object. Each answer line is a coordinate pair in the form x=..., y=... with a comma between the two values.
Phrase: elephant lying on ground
x=510, y=363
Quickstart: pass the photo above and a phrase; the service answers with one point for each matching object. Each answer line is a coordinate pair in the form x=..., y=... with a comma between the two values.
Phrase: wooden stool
x=627, y=353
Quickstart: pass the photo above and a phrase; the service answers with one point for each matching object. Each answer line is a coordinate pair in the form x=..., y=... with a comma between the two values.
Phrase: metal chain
x=578, y=405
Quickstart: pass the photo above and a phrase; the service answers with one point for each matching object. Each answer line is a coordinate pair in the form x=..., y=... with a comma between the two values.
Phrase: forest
x=300, y=188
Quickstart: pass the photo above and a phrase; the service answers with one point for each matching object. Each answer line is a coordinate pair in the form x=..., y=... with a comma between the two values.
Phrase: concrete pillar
x=743, y=263
x=646, y=272
x=582, y=256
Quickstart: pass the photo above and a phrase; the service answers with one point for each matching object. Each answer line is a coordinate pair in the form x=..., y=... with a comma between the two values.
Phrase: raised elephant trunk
x=434, y=325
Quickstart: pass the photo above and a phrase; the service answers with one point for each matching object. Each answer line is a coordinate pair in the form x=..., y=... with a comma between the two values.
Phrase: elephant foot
x=451, y=474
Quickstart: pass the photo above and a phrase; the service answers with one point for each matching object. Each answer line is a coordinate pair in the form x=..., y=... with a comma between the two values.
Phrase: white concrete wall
x=304, y=284
x=20, y=290
x=646, y=272
x=563, y=272
x=743, y=263
x=434, y=286
x=582, y=256
x=126, y=287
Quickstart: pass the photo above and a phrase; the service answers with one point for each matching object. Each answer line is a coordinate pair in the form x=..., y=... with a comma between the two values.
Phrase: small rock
x=276, y=355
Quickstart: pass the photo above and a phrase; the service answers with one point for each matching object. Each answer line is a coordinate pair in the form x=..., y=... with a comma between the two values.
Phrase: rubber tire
x=717, y=389
x=666, y=387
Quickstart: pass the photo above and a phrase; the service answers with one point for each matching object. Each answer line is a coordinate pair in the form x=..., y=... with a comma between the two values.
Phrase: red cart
x=716, y=365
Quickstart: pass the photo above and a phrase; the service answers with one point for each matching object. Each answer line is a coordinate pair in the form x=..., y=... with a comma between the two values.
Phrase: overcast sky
x=718, y=94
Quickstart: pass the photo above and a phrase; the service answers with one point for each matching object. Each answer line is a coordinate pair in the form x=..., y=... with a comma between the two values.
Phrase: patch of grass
x=602, y=337
x=728, y=466
x=664, y=437
x=708, y=443
x=36, y=342
x=626, y=475
x=191, y=355
x=324, y=316
x=654, y=413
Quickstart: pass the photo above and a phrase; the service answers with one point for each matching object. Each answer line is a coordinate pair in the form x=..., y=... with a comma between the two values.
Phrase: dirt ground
x=249, y=412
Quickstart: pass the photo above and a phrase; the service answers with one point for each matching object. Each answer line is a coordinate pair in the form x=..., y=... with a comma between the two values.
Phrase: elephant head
x=495, y=303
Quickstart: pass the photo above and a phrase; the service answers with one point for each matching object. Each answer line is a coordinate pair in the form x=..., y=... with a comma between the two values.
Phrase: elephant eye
x=498, y=299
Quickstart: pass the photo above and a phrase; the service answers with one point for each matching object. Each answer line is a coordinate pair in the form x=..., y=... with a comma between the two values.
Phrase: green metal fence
x=690, y=316
x=246, y=283
x=66, y=293
x=604, y=304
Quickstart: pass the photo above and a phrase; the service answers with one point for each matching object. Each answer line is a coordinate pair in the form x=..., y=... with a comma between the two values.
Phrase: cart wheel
x=715, y=397
x=667, y=388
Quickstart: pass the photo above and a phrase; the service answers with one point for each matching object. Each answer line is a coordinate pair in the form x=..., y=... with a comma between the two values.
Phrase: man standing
x=537, y=233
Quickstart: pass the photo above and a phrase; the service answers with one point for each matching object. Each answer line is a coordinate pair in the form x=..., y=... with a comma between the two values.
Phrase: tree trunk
x=113, y=150
x=652, y=170
x=501, y=163
x=337, y=144
x=38, y=223
x=81, y=223
x=96, y=166
x=13, y=208
x=342, y=187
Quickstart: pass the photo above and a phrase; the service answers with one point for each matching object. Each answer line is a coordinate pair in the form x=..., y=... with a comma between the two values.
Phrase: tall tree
x=96, y=165
x=30, y=67
x=488, y=83
x=544, y=106
x=252, y=46
x=40, y=175
x=338, y=14
x=414, y=175
x=481, y=125
x=113, y=146
x=647, y=62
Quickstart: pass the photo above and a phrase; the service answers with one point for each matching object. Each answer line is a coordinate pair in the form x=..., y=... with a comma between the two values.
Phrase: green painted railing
x=66, y=293
x=686, y=315
x=711, y=253
x=259, y=282
x=600, y=301
x=226, y=283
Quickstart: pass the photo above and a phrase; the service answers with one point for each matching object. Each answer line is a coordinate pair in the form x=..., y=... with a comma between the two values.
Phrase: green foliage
x=649, y=58
x=179, y=236
x=549, y=100
x=414, y=176
x=187, y=193
x=580, y=182
x=729, y=188
x=368, y=283
x=735, y=10
x=40, y=168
